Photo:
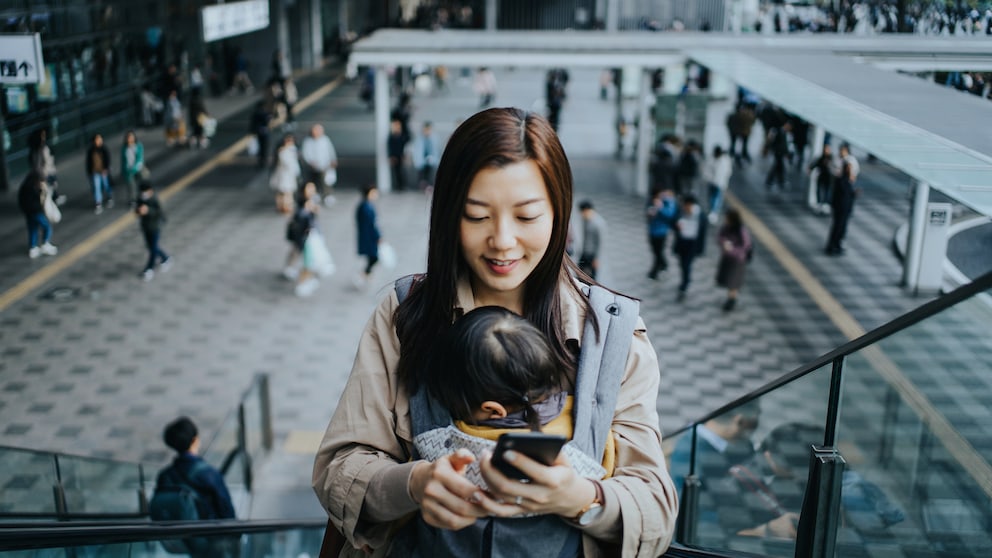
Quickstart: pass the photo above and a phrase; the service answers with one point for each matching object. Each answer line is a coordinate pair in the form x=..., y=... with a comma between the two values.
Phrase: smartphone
x=543, y=448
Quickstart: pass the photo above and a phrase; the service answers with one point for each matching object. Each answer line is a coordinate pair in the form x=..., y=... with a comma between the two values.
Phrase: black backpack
x=177, y=499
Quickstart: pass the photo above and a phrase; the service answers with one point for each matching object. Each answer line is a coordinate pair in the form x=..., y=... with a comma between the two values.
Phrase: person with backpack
x=689, y=236
x=190, y=489
x=498, y=228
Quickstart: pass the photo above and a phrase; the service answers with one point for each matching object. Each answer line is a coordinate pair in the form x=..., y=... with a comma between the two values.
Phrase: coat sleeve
x=362, y=466
x=641, y=495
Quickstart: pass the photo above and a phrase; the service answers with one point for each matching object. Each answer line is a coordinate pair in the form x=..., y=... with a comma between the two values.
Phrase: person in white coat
x=320, y=162
x=716, y=172
x=286, y=175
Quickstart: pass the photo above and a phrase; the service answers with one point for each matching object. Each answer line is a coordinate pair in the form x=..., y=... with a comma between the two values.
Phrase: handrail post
x=687, y=519
x=820, y=518
x=61, y=509
x=265, y=405
x=243, y=444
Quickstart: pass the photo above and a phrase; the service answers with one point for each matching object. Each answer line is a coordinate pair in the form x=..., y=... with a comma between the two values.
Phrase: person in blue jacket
x=368, y=231
x=214, y=501
x=661, y=216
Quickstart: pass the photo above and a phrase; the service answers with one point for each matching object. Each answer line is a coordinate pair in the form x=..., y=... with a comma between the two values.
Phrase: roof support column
x=382, y=177
x=612, y=15
x=914, y=240
x=491, y=13
x=645, y=133
x=819, y=137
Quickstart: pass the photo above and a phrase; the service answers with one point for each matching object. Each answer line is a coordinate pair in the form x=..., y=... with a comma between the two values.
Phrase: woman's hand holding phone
x=553, y=489
x=447, y=499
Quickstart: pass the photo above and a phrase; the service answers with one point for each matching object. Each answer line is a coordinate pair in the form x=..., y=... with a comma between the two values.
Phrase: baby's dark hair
x=492, y=354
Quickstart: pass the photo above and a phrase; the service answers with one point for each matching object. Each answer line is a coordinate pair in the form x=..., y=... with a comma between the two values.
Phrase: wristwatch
x=589, y=513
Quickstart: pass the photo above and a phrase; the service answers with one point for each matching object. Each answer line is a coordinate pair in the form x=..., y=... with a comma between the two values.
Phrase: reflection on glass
x=913, y=494
x=26, y=481
x=99, y=486
x=752, y=463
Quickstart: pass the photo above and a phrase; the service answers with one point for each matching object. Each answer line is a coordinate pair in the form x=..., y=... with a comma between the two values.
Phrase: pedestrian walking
x=152, y=218
x=396, y=151
x=485, y=86
x=426, y=153
x=285, y=178
x=132, y=166
x=592, y=234
x=717, y=171
x=41, y=159
x=259, y=126
x=662, y=213
x=826, y=169
x=199, y=120
x=739, y=124
x=175, y=124
x=778, y=145
x=309, y=257
x=98, y=173
x=369, y=236
x=320, y=162
x=842, y=204
x=735, y=251
x=31, y=198
x=688, y=236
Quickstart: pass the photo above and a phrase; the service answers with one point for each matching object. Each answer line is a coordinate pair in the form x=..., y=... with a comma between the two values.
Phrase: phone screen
x=543, y=448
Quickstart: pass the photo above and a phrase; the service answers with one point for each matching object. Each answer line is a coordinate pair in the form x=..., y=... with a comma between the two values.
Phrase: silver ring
x=519, y=500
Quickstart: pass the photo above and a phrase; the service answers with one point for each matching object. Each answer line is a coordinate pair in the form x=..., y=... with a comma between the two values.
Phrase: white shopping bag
x=387, y=255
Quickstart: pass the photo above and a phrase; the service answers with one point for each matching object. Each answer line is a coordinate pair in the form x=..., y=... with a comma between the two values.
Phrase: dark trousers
x=151, y=241
x=585, y=264
x=823, y=191
x=687, y=251
x=841, y=214
x=658, y=250
x=426, y=175
x=263, y=149
x=398, y=174
x=776, y=175
x=733, y=147
x=317, y=177
x=372, y=260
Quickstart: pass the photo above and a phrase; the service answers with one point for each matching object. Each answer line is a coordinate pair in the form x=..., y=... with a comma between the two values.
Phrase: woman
x=735, y=246
x=368, y=232
x=41, y=159
x=132, y=165
x=285, y=178
x=31, y=199
x=499, y=221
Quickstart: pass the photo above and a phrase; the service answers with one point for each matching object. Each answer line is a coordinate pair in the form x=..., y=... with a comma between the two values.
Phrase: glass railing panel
x=99, y=486
x=751, y=492
x=290, y=543
x=27, y=479
x=914, y=430
x=224, y=442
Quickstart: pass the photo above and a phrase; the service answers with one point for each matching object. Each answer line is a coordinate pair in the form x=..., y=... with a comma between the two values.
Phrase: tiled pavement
x=101, y=373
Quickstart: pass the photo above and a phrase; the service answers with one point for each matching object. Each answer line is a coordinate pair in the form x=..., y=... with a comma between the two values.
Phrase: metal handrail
x=880, y=333
x=24, y=536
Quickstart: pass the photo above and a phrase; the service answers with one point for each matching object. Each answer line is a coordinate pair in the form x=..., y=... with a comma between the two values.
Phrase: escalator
x=879, y=448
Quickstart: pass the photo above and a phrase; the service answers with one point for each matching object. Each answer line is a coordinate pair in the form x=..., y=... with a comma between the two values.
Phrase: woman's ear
x=493, y=410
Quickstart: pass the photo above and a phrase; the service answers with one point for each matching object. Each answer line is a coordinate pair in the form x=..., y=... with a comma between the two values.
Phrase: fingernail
x=475, y=498
x=510, y=456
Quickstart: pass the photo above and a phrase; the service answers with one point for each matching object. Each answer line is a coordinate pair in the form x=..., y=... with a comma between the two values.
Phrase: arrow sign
x=21, y=60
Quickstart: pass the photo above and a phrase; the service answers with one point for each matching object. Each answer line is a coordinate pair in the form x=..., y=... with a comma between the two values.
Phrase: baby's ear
x=494, y=409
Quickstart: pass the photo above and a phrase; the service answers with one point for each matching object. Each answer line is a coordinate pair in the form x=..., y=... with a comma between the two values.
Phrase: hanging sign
x=236, y=18
x=20, y=59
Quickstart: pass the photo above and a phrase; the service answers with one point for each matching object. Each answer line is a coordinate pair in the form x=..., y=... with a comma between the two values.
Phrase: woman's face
x=505, y=231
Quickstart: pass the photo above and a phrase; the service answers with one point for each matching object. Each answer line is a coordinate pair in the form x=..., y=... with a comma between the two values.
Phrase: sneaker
x=110, y=203
x=34, y=252
x=147, y=275
x=359, y=281
x=61, y=199
x=729, y=304
x=307, y=287
x=49, y=250
x=329, y=201
x=98, y=210
x=291, y=273
x=166, y=264
x=714, y=218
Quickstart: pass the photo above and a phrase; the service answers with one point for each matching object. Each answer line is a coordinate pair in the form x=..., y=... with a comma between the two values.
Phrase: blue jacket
x=661, y=222
x=215, y=500
x=368, y=231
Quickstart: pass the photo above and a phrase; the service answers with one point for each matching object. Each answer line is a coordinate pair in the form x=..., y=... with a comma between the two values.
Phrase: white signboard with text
x=21, y=60
x=236, y=18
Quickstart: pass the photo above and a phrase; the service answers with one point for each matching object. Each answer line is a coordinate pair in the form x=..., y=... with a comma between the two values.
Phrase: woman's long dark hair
x=493, y=138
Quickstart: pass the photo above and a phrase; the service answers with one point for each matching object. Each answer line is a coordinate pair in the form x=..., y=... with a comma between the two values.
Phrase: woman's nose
x=503, y=235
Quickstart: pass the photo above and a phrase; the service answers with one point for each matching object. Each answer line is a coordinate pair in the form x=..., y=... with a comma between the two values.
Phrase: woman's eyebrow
x=481, y=203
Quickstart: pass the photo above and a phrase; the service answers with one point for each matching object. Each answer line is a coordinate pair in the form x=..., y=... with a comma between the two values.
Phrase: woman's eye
x=474, y=218
x=529, y=218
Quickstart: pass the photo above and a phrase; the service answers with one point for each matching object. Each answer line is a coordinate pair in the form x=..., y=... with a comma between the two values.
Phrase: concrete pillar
x=343, y=15
x=316, y=33
x=675, y=75
x=382, y=177
x=914, y=240
x=645, y=134
x=612, y=15
x=491, y=14
x=815, y=149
